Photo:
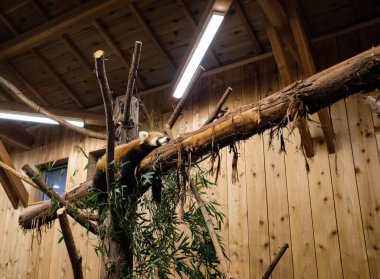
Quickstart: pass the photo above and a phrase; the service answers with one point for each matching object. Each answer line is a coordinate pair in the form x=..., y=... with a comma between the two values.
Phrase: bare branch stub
x=40, y=109
x=131, y=83
x=273, y=264
x=219, y=106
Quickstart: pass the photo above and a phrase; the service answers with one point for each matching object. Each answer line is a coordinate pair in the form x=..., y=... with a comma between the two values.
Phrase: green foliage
x=163, y=244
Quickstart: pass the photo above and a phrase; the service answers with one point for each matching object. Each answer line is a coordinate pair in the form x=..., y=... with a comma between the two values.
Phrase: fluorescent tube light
x=37, y=119
x=212, y=27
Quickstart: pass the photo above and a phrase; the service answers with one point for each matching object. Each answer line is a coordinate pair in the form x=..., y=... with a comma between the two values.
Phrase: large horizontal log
x=358, y=74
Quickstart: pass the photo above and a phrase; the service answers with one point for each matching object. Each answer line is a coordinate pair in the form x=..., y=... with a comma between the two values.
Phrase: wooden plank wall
x=330, y=216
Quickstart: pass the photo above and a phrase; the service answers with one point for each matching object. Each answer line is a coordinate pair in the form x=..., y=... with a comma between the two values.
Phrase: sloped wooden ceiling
x=57, y=71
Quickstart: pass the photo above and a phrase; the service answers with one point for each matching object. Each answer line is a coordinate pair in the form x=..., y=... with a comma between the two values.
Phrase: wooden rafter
x=248, y=27
x=38, y=8
x=53, y=72
x=91, y=118
x=67, y=41
x=15, y=135
x=217, y=5
x=114, y=47
x=7, y=23
x=256, y=58
x=77, y=54
x=287, y=77
x=305, y=51
x=279, y=19
x=27, y=84
x=14, y=70
x=190, y=18
x=16, y=5
x=139, y=18
x=56, y=26
x=11, y=183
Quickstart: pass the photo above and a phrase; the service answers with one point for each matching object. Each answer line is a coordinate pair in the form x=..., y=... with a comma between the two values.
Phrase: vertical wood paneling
x=275, y=173
x=258, y=237
x=366, y=162
x=221, y=192
x=348, y=212
x=237, y=194
x=301, y=223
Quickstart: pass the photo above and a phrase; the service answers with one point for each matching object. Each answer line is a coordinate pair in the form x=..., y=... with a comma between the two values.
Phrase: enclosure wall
x=329, y=215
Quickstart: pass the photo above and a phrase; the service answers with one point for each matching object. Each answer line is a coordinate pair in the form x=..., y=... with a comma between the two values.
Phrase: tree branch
x=75, y=258
x=219, y=106
x=131, y=83
x=40, y=109
x=210, y=227
x=275, y=261
x=73, y=212
x=108, y=103
x=178, y=109
x=19, y=175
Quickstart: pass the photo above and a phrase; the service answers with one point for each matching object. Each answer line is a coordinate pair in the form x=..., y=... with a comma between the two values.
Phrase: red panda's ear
x=143, y=135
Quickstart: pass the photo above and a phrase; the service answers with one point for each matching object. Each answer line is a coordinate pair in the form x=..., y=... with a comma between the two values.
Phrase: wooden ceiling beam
x=16, y=5
x=38, y=8
x=248, y=27
x=304, y=46
x=77, y=54
x=56, y=26
x=58, y=77
x=8, y=24
x=14, y=71
x=194, y=24
x=276, y=15
x=15, y=135
x=287, y=77
x=91, y=118
x=27, y=84
x=11, y=183
x=114, y=47
x=140, y=20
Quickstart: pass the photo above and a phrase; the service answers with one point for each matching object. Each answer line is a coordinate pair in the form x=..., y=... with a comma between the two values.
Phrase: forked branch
x=131, y=83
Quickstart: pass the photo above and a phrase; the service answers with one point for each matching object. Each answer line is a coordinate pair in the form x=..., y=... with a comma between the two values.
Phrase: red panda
x=127, y=157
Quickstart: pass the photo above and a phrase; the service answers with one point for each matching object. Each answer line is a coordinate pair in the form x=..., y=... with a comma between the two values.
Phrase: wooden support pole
x=40, y=109
x=75, y=258
x=177, y=111
x=275, y=261
x=131, y=83
x=219, y=106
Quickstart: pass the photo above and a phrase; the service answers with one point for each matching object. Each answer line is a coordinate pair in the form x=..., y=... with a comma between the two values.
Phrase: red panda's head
x=153, y=138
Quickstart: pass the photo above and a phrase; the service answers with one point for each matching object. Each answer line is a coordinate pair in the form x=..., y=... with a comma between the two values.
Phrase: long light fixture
x=38, y=119
x=209, y=32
